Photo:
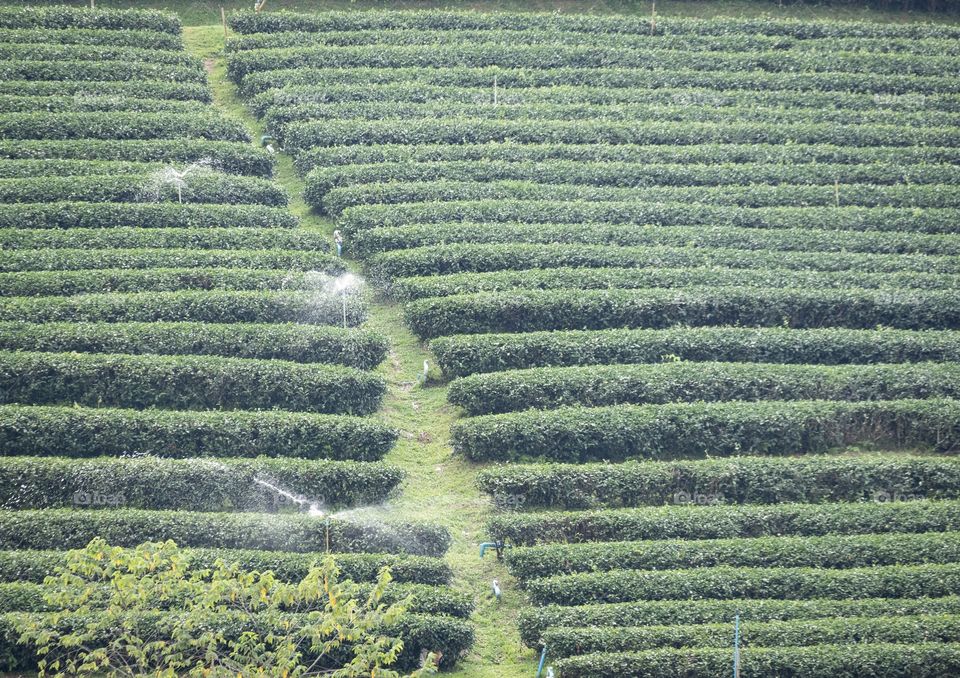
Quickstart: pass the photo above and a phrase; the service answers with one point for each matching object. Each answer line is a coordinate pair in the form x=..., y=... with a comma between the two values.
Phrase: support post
x=736, y=647
x=223, y=20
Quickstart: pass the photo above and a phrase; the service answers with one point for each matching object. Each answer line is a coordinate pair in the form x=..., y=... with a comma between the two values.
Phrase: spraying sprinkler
x=171, y=176
x=343, y=285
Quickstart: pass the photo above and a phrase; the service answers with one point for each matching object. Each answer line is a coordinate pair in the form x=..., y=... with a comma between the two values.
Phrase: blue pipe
x=736, y=647
x=489, y=545
x=543, y=658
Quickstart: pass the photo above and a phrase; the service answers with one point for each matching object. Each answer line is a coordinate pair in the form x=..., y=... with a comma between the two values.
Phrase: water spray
x=171, y=176
x=343, y=285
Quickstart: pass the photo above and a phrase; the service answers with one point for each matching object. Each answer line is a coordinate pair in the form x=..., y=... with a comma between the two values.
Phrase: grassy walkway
x=439, y=486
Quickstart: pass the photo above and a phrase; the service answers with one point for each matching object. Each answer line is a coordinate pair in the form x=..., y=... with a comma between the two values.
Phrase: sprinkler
x=496, y=590
x=343, y=285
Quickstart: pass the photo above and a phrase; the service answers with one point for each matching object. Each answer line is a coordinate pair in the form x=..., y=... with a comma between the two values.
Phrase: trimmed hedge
x=115, y=126
x=75, y=104
x=125, y=237
x=468, y=354
x=533, y=310
x=191, y=484
x=836, y=552
x=322, y=180
x=358, y=348
x=420, y=633
x=684, y=235
x=419, y=599
x=35, y=566
x=596, y=386
x=708, y=153
x=535, y=621
x=686, y=521
x=628, y=78
x=70, y=529
x=620, y=586
x=148, y=39
x=95, y=71
x=64, y=215
x=60, y=282
x=570, y=642
x=88, y=432
x=201, y=188
x=77, y=17
x=920, y=660
x=420, y=287
x=200, y=306
x=738, y=480
x=934, y=220
x=245, y=22
x=757, y=195
x=725, y=429
x=303, y=135
x=186, y=382
x=96, y=53
x=91, y=269
x=148, y=89
x=226, y=156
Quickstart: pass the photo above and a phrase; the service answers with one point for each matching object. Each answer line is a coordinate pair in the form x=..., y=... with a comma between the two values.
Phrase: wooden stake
x=653, y=18
x=494, y=90
x=223, y=20
x=93, y=4
x=836, y=192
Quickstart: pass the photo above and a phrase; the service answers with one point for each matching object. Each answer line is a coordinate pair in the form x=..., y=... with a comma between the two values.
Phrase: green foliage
x=141, y=38
x=920, y=660
x=191, y=484
x=202, y=187
x=837, y=552
x=151, y=89
x=35, y=566
x=345, y=633
x=188, y=305
x=130, y=238
x=617, y=586
x=111, y=19
x=97, y=52
x=534, y=622
x=621, y=432
x=537, y=310
x=87, y=432
x=673, y=382
x=66, y=215
x=467, y=354
x=737, y=480
x=62, y=104
x=69, y=528
x=93, y=71
x=569, y=642
x=226, y=156
x=887, y=514
x=186, y=382
x=358, y=348
x=116, y=126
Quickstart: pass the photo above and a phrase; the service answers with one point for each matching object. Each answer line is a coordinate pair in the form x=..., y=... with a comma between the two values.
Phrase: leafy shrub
x=535, y=310
x=98, y=52
x=143, y=215
x=34, y=566
x=890, y=581
x=725, y=429
x=198, y=306
x=117, y=126
x=76, y=17
x=149, y=89
x=201, y=188
x=186, y=382
x=87, y=432
x=93, y=71
x=122, y=237
x=737, y=480
x=358, y=348
x=920, y=660
x=838, y=552
x=468, y=354
x=77, y=104
x=570, y=642
x=95, y=270
x=691, y=521
x=146, y=39
x=535, y=621
x=226, y=156
x=68, y=528
x=544, y=388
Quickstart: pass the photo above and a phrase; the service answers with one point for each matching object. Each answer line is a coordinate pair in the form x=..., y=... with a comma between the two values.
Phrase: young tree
x=131, y=612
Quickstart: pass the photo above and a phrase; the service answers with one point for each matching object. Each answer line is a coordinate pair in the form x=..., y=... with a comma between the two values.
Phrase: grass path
x=439, y=487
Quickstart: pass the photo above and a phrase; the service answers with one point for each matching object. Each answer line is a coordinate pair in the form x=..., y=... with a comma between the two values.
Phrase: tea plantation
x=179, y=359
x=696, y=285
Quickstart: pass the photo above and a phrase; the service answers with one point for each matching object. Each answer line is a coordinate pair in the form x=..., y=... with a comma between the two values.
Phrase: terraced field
x=695, y=283
x=179, y=359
